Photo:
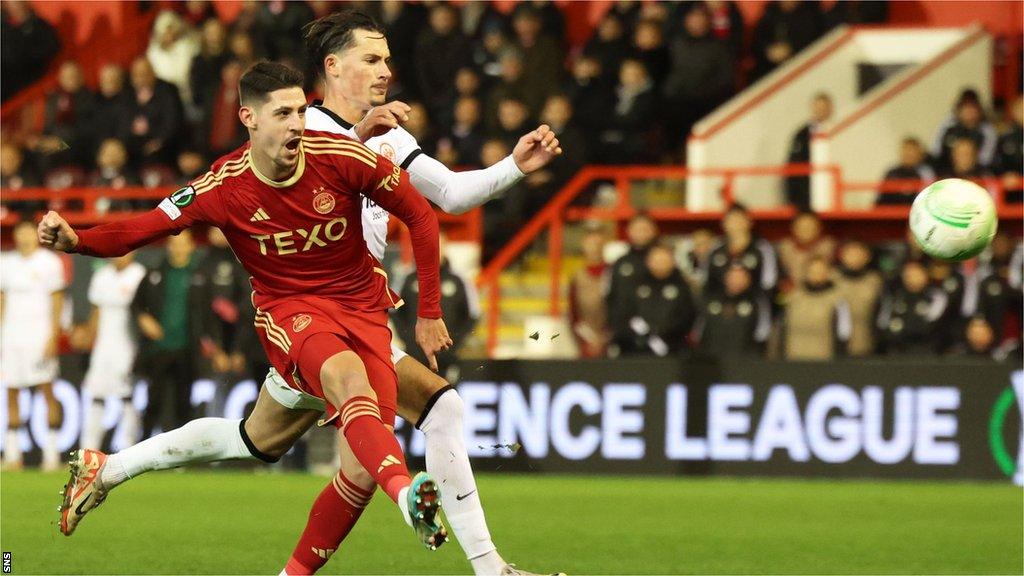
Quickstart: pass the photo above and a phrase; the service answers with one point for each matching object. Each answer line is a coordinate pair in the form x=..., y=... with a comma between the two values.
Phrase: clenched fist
x=54, y=232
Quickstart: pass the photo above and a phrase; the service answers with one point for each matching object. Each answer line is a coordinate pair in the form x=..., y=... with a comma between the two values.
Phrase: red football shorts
x=300, y=333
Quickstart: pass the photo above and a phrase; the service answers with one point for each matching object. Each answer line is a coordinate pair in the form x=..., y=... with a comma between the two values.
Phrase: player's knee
x=345, y=384
x=444, y=412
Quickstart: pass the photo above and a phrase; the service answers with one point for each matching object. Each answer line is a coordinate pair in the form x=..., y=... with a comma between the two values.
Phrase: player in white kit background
x=32, y=283
x=109, y=332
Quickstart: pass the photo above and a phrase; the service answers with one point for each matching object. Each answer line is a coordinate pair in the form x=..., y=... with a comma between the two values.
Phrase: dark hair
x=264, y=77
x=334, y=33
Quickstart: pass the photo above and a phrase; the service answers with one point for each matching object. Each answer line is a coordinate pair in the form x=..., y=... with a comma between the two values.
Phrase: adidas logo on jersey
x=259, y=216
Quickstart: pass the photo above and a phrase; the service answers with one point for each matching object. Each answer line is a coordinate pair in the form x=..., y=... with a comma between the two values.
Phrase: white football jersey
x=28, y=284
x=112, y=292
x=396, y=145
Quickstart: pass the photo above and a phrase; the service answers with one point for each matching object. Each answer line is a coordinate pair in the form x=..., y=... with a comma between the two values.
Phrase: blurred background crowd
x=478, y=78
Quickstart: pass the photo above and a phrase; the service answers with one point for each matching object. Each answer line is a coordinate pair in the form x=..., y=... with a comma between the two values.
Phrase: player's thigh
x=273, y=428
x=417, y=384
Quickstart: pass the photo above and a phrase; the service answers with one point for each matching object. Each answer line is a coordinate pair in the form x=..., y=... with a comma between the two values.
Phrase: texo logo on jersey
x=284, y=243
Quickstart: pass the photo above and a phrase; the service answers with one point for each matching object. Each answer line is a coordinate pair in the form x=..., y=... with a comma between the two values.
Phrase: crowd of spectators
x=477, y=79
x=806, y=297
x=966, y=145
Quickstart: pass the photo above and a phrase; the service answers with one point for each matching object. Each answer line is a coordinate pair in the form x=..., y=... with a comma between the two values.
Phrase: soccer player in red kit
x=289, y=205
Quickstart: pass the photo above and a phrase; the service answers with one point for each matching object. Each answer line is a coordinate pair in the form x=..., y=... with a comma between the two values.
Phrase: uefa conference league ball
x=953, y=219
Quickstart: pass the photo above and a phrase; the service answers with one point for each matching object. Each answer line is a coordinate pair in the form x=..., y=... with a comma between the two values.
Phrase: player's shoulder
x=48, y=258
x=231, y=165
x=327, y=146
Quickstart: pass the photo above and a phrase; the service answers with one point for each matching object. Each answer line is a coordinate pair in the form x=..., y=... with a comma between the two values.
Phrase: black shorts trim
x=252, y=447
x=431, y=402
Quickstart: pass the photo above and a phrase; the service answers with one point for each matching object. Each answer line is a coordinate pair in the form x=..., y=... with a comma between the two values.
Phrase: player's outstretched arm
x=107, y=240
x=458, y=192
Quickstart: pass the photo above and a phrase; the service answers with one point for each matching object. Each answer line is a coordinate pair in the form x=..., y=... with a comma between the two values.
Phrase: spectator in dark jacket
x=740, y=246
x=155, y=116
x=736, y=319
x=908, y=317
x=660, y=309
x=947, y=279
x=785, y=28
x=510, y=85
x=542, y=56
x=609, y=46
x=204, y=74
x=467, y=135
x=402, y=22
x=591, y=98
x=459, y=303
x=649, y=47
x=440, y=51
x=630, y=133
x=913, y=167
x=69, y=114
x=642, y=233
x=113, y=171
x=15, y=175
x=513, y=121
x=169, y=320
x=727, y=24
x=223, y=291
x=969, y=122
x=798, y=188
x=112, y=118
x=701, y=75
x=1009, y=159
x=279, y=24
x=29, y=44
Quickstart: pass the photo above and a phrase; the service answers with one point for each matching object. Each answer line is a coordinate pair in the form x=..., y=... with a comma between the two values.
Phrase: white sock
x=202, y=440
x=12, y=447
x=92, y=432
x=403, y=505
x=448, y=463
x=51, y=456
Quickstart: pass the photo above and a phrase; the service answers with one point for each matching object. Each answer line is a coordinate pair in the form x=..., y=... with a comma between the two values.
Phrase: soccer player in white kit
x=32, y=288
x=109, y=378
x=350, y=55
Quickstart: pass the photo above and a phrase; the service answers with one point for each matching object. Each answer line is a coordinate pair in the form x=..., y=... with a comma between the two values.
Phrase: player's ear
x=248, y=117
x=331, y=65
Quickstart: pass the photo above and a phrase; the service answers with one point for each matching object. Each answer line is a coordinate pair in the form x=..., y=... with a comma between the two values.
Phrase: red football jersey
x=300, y=236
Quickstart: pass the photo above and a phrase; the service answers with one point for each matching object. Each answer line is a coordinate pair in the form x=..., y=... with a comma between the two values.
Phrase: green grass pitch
x=234, y=522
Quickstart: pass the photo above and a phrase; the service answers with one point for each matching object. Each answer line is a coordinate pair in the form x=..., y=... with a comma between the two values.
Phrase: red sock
x=333, y=515
x=374, y=446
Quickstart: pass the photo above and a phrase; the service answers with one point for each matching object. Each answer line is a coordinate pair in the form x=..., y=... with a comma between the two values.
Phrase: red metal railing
x=554, y=216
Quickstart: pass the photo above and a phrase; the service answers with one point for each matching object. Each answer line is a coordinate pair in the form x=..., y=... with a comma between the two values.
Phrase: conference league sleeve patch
x=173, y=204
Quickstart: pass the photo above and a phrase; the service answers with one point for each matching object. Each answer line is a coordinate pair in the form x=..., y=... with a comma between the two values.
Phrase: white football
x=953, y=219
